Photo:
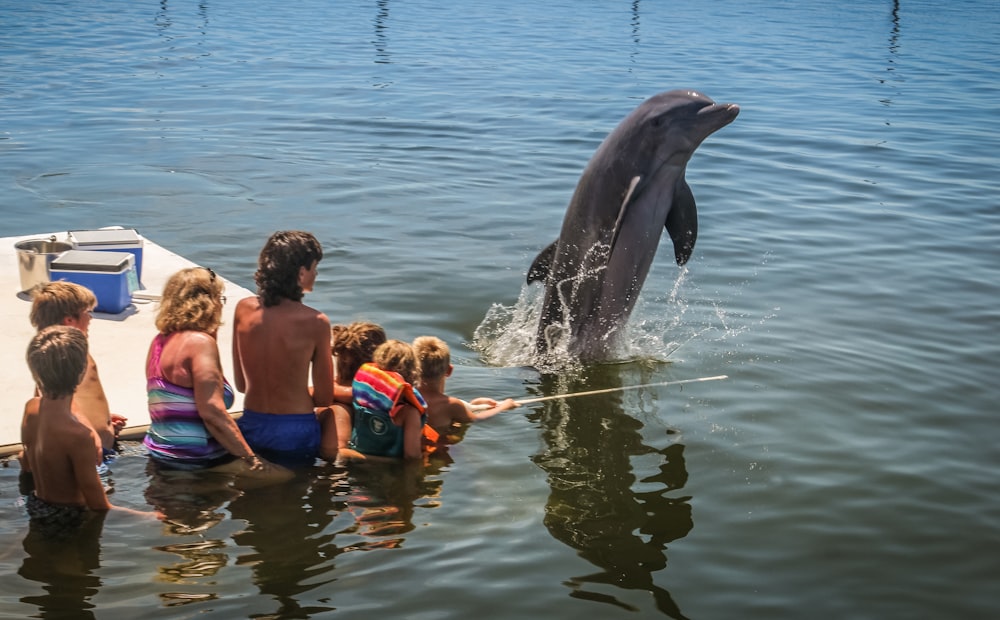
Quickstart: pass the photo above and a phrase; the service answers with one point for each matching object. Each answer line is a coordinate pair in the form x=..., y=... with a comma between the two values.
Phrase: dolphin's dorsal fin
x=624, y=207
x=539, y=269
x=682, y=222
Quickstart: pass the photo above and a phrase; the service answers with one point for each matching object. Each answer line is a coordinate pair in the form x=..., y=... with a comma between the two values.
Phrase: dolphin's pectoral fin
x=539, y=269
x=682, y=222
x=623, y=208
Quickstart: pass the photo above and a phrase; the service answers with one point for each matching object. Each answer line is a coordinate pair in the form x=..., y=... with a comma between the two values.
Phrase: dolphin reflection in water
x=593, y=506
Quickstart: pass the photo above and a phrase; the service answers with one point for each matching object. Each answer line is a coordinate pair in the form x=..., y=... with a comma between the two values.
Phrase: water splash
x=506, y=336
x=661, y=324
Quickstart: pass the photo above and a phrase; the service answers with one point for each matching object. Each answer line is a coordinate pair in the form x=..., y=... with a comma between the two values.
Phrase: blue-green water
x=846, y=278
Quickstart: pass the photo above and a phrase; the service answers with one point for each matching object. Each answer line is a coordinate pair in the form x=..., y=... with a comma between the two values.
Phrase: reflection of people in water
x=65, y=567
x=189, y=500
x=292, y=529
x=593, y=507
x=289, y=538
x=191, y=503
x=384, y=496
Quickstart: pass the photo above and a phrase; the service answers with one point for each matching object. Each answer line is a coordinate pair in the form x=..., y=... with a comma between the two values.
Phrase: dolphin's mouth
x=728, y=111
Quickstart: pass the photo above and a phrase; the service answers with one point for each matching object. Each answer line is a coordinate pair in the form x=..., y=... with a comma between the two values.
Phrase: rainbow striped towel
x=381, y=390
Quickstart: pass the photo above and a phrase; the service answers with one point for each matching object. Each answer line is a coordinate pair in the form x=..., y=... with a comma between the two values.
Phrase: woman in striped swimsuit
x=190, y=426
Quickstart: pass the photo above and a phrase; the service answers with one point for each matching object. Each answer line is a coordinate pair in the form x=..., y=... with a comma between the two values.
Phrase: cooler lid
x=92, y=260
x=112, y=236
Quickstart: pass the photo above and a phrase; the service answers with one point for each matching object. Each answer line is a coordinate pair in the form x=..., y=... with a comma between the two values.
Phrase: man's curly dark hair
x=277, y=274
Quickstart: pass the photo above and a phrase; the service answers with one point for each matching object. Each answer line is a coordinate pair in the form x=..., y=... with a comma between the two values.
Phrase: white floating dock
x=118, y=342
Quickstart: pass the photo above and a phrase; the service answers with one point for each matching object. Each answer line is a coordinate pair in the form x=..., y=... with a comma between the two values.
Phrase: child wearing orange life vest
x=389, y=414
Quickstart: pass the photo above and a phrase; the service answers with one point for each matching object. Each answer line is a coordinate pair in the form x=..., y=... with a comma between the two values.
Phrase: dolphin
x=630, y=190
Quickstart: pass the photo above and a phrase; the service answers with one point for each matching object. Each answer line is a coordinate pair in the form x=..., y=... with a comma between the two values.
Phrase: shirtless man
x=66, y=303
x=279, y=344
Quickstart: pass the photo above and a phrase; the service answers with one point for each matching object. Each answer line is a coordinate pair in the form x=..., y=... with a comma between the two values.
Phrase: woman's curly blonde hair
x=191, y=302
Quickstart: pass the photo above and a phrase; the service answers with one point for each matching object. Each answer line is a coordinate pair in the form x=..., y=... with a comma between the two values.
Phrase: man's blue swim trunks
x=283, y=438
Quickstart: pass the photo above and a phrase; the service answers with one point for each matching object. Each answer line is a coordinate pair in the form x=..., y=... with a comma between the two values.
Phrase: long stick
x=605, y=391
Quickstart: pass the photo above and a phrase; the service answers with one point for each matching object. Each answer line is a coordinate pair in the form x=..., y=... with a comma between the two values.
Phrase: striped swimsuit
x=177, y=437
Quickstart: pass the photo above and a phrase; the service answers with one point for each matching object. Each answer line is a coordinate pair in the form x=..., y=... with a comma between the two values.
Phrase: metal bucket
x=34, y=257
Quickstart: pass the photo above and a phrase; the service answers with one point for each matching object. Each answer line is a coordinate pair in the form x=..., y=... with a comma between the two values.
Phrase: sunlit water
x=846, y=279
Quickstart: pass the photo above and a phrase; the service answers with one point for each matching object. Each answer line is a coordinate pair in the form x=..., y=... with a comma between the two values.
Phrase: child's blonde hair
x=434, y=357
x=53, y=302
x=355, y=345
x=397, y=356
x=57, y=358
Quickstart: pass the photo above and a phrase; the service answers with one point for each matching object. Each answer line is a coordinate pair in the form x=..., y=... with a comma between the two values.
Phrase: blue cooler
x=110, y=275
x=110, y=240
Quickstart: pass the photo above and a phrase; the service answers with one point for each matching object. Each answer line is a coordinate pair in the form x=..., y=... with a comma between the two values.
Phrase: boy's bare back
x=444, y=410
x=64, y=457
x=91, y=401
x=273, y=348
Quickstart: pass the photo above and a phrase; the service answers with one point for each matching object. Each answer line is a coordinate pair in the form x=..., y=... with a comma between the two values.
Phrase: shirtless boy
x=279, y=344
x=434, y=357
x=66, y=303
x=65, y=449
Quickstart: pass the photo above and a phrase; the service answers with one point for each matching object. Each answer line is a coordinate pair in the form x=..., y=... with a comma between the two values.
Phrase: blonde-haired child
x=434, y=358
x=67, y=303
x=388, y=411
x=63, y=449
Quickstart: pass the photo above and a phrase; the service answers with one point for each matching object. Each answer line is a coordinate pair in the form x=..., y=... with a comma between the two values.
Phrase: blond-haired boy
x=69, y=304
x=64, y=450
x=434, y=358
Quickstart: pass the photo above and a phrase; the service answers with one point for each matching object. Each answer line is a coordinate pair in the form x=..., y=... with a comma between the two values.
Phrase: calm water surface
x=846, y=278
